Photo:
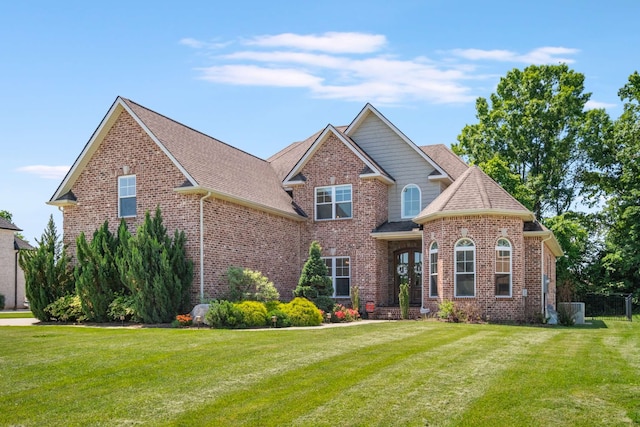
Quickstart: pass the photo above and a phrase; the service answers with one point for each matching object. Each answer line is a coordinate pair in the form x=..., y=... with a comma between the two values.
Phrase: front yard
x=388, y=373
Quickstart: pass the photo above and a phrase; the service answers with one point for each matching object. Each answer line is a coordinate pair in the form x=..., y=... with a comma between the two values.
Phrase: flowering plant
x=344, y=314
x=184, y=319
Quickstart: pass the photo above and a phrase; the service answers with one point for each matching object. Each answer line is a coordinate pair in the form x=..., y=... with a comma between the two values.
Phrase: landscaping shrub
x=465, y=312
x=404, y=299
x=355, y=298
x=254, y=313
x=66, y=309
x=315, y=282
x=224, y=314
x=446, y=311
x=344, y=314
x=325, y=303
x=282, y=318
x=2, y=302
x=302, y=312
x=122, y=309
x=245, y=284
x=48, y=275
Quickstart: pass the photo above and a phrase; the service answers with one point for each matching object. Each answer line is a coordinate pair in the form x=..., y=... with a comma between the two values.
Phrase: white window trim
x=431, y=273
x=334, y=277
x=505, y=248
x=455, y=273
x=333, y=202
x=403, y=213
x=120, y=197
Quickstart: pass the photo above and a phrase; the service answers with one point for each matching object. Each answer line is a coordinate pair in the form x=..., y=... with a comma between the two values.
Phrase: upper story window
x=411, y=201
x=340, y=273
x=333, y=202
x=503, y=268
x=126, y=196
x=465, y=278
x=433, y=270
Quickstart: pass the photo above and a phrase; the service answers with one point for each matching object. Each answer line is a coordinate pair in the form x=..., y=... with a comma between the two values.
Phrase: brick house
x=12, y=284
x=374, y=200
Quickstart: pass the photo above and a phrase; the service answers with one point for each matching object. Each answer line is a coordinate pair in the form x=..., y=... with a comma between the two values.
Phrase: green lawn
x=15, y=314
x=389, y=373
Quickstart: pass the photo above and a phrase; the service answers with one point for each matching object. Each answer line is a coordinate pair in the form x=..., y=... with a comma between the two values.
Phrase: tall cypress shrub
x=96, y=274
x=155, y=269
x=48, y=275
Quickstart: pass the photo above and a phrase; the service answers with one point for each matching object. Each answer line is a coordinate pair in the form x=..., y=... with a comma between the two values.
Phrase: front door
x=408, y=267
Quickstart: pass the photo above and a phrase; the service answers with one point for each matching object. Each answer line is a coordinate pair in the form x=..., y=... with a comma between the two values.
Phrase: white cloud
x=353, y=66
x=333, y=42
x=541, y=55
x=592, y=105
x=199, y=44
x=47, y=172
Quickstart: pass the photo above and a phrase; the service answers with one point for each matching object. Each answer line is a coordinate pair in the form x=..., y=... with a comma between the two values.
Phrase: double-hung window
x=465, y=278
x=340, y=273
x=126, y=196
x=333, y=202
x=503, y=268
x=433, y=270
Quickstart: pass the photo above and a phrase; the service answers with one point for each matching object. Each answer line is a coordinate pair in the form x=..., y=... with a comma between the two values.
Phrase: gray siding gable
x=399, y=159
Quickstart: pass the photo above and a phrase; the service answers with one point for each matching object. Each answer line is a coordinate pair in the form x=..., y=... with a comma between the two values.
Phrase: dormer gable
x=372, y=169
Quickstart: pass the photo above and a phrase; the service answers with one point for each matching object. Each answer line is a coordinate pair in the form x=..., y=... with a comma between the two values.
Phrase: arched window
x=433, y=270
x=411, y=201
x=465, y=278
x=503, y=268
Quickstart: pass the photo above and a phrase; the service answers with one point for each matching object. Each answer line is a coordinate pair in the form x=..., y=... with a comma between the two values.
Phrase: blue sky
x=260, y=75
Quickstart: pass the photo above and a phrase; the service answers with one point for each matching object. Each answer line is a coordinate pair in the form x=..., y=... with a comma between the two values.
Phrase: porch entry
x=408, y=267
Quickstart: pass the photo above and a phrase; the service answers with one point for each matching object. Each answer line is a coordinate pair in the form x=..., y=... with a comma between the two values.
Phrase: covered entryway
x=408, y=267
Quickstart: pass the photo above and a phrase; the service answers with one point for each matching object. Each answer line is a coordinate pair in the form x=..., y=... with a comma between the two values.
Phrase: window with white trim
x=333, y=202
x=410, y=199
x=465, y=277
x=433, y=270
x=503, y=268
x=126, y=196
x=340, y=272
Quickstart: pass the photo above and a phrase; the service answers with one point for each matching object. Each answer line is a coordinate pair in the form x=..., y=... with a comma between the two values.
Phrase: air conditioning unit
x=576, y=309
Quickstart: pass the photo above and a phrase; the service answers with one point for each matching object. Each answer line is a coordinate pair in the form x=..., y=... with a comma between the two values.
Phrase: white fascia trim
x=381, y=177
x=62, y=203
x=397, y=235
x=527, y=216
x=356, y=123
x=317, y=143
x=547, y=236
x=237, y=200
x=440, y=178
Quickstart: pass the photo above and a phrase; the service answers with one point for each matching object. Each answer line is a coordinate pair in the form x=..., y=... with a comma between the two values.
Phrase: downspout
x=544, y=302
x=202, y=245
x=15, y=282
x=428, y=259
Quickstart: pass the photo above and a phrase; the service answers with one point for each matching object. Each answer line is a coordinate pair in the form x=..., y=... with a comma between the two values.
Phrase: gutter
x=202, y=199
x=543, y=295
x=15, y=281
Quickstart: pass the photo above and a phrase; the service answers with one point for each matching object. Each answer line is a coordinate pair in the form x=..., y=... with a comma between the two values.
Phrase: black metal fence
x=614, y=306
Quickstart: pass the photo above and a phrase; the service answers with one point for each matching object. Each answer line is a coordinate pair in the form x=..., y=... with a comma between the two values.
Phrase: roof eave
x=554, y=245
x=397, y=235
x=62, y=203
x=238, y=200
x=377, y=176
x=443, y=178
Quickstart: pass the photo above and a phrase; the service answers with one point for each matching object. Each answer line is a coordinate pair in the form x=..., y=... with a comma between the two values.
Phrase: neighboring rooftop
x=8, y=225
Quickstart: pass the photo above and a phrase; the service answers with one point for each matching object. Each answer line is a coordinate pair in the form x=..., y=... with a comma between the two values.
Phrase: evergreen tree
x=97, y=278
x=315, y=283
x=48, y=275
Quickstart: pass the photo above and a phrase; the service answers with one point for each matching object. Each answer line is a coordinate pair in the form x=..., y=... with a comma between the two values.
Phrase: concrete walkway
x=26, y=321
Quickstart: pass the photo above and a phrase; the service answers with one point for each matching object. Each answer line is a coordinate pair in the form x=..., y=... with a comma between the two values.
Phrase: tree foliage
x=616, y=177
x=48, y=275
x=315, y=283
x=96, y=273
x=246, y=284
x=536, y=124
x=156, y=270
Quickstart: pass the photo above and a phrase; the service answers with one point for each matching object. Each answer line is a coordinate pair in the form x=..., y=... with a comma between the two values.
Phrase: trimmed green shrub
x=224, y=314
x=355, y=298
x=122, y=309
x=2, y=299
x=404, y=300
x=66, y=309
x=282, y=318
x=254, y=313
x=48, y=275
x=315, y=281
x=245, y=284
x=302, y=312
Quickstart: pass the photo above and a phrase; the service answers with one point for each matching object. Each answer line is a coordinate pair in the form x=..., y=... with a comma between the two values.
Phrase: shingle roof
x=215, y=165
x=19, y=244
x=7, y=225
x=473, y=192
x=446, y=159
